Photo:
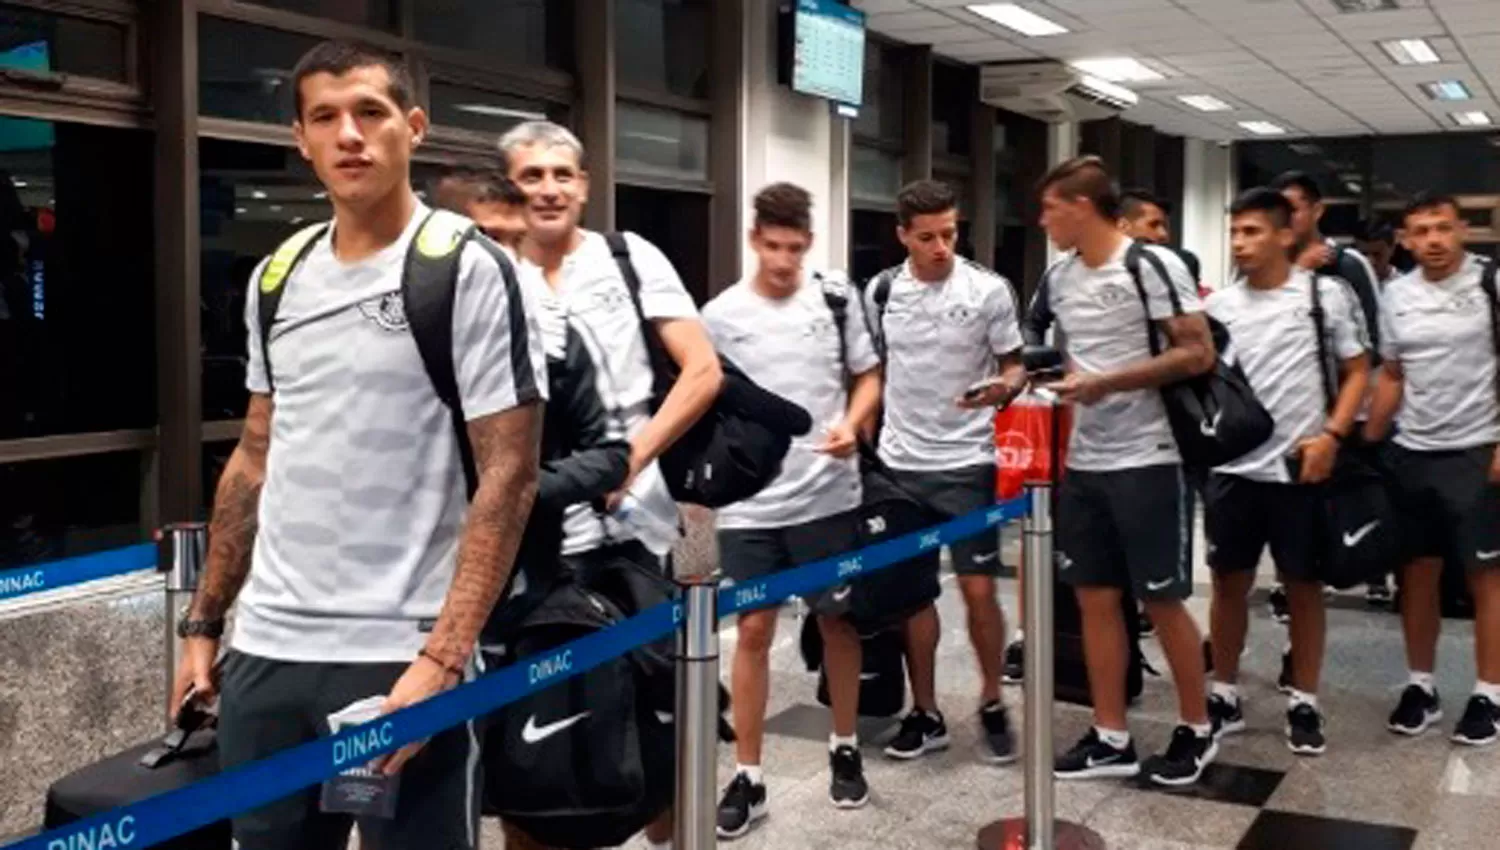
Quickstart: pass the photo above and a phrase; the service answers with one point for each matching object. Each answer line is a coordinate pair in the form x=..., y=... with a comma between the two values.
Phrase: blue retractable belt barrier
x=252, y=785
x=24, y=581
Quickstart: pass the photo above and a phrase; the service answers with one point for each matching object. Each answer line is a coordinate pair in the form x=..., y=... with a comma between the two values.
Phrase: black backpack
x=882, y=675
x=428, y=287
x=590, y=761
x=1215, y=417
x=735, y=450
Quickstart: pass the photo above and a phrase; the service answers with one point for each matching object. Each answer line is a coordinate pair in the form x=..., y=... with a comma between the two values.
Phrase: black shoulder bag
x=1215, y=417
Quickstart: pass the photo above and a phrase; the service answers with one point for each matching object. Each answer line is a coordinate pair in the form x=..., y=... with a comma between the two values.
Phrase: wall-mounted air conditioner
x=1052, y=92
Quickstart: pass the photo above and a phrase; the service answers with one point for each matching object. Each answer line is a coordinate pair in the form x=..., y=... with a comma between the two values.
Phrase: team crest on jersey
x=1114, y=295
x=818, y=327
x=613, y=298
x=388, y=312
x=960, y=314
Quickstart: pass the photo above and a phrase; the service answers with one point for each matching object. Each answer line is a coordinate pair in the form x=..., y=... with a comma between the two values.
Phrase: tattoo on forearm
x=232, y=529
x=506, y=447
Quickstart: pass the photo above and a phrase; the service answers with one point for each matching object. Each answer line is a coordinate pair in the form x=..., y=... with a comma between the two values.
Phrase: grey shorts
x=267, y=706
x=953, y=493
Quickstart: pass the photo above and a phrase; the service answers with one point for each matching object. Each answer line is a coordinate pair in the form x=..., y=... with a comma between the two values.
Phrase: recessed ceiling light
x=321, y=196
x=1117, y=70
x=258, y=195
x=1447, y=90
x=1476, y=118
x=240, y=210
x=1366, y=5
x=1410, y=51
x=19, y=184
x=1014, y=17
x=276, y=208
x=1204, y=102
x=1263, y=128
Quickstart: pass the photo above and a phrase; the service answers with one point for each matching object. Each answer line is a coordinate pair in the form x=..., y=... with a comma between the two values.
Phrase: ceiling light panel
x=1117, y=70
x=1410, y=51
x=1204, y=102
x=1014, y=17
x=1263, y=128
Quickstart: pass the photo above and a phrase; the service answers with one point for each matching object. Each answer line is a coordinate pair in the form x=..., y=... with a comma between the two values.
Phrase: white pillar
x=1208, y=189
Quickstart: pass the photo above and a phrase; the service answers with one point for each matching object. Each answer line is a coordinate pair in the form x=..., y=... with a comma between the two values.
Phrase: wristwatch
x=200, y=628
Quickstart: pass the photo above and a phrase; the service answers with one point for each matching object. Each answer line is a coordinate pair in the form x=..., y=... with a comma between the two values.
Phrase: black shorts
x=1242, y=517
x=267, y=706
x=747, y=554
x=953, y=493
x=1448, y=506
x=1128, y=528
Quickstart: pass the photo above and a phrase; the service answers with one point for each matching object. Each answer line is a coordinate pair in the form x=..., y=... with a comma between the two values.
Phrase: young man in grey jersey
x=1438, y=383
x=778, y=325
x=948, y=332
x=638, y=523
x=342, y=512
x=1125, y=509
x=1271, y=497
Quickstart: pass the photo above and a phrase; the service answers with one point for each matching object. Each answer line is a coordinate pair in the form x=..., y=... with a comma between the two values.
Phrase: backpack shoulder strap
x=880, y=294
x=429, y=287
x=1320, y=335
x=1487, y=283
x=619, y=248
x=272, y=284
x=837, y=299
x=1133, y=257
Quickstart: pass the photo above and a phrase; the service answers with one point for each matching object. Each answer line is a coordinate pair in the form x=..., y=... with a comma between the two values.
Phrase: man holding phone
x=1270, y=497
x=948, y=332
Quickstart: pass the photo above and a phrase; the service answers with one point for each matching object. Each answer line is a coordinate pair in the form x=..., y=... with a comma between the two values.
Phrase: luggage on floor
x=882, y=678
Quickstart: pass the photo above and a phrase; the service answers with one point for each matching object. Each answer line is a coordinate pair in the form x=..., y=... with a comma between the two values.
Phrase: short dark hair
x=1425, y=201
x=461, y=185
x=784, y=205
x=340, y=57
x=1263, y=199
x=1302, y=182
x=1375, y=231
x=1085, y=177
x=1131, y=201
x=924, y=197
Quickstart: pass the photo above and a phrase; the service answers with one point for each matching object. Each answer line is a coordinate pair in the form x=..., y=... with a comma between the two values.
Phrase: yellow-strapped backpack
x=429, y=281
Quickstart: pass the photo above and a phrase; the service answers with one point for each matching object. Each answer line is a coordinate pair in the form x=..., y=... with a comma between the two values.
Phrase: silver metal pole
x=697, y=718
x=184, y=545
x=1038, y=828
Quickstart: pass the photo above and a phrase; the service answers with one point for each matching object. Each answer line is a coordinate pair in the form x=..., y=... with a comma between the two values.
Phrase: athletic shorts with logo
x=1127, y=528
x=1243, y=517
x=747, y=554
x=953, y=493
x=1448, y=506
x=267, y=706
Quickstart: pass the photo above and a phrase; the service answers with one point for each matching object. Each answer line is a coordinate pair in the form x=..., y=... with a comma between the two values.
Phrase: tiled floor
x=1372, y=791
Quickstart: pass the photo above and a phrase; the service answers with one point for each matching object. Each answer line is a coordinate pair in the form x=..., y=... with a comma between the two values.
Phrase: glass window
x=65, y=507
x=675, y=222
x=41, y=42
x=76, y=293
x=663, y=45
x=661, y=143
x=380, y=14
x=519, y=32
x=874, y=177
x=953, y=98
x=252, y=197
x=1336, y=164
x=486, y=111
x=960, y=186
x=873, y=246
x=1456, y=164
x=880, y=117
x=245, y=71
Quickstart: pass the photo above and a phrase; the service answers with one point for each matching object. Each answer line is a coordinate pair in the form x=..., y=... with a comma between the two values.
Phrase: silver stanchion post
x=1038, y=829
x=184, y=546
x=697, y=717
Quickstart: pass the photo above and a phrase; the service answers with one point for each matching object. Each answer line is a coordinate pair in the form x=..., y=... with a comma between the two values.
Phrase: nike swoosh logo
x=1159, y=585
x=1211, y=429
x=534, y=734
x=985, y=559
x=1488, y=556
x=1352, y=538
x=868, y=677
x=1097, y=762
x=841, y=594
x=664, y=718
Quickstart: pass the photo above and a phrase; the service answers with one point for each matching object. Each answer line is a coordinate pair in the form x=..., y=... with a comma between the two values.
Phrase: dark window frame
x=63, y=96
x=624, y=176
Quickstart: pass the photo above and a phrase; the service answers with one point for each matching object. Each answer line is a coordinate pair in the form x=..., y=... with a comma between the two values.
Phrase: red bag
x=1024, y=434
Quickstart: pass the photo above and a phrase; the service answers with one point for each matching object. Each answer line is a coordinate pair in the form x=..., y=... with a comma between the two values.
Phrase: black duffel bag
x=882, y=675
x=1215, y=417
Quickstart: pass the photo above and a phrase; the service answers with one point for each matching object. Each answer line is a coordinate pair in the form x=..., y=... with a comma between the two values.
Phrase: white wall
x=1208, y=181
x=793, y=138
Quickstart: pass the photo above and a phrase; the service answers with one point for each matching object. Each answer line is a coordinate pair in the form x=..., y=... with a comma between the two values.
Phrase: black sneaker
x=1184, y=760
x=848, y=788
x=1379, y=595
x=743, y=804
x=1415, y=712
x=1280, y=611
x=1284, y=680
x=1091, y=758
x=1002, y=745
x=920, y=733
x=1144, y=627
x=1227, y=717
x=1014, y=671
x=1304, y=730
x=1208, y=656
x=1478, y=725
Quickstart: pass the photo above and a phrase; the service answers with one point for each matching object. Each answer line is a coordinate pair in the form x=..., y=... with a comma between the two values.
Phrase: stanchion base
x=1010, y=834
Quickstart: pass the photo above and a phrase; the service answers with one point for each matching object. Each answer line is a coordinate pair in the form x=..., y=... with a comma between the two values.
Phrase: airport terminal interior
x=147, y=163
